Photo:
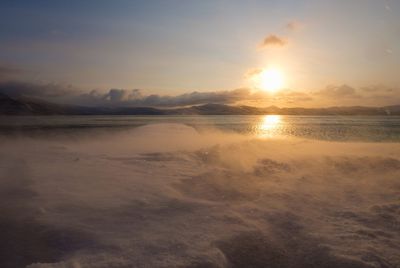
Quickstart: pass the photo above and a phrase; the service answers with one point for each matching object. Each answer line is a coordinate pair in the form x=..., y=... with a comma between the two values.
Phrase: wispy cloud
x=343, y=91
x=294, y=25
x=347, y=95
x=9, y=71
x=252, y=72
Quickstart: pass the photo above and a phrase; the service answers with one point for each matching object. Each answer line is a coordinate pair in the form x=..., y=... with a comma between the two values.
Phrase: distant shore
x=27, y=106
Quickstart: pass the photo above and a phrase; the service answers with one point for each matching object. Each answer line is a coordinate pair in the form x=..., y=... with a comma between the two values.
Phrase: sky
x=342, y=52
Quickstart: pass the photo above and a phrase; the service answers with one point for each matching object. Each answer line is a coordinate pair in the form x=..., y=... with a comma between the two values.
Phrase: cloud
x=253, y=72
x=378, y=89
x=293, y=25
x=9, y=71
x=295, y=96
x=387, y=5
x=343, y=91
x=21, y=89
x=120, y=97
x=330, y=95
x=116, y=95
x=273, y=40
x=135, y=97
x=364, y=96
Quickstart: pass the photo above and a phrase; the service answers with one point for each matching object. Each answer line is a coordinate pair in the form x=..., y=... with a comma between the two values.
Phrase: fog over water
x=172, y=194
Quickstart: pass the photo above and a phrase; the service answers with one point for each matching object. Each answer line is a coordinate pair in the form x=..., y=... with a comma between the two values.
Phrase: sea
x=330, y=128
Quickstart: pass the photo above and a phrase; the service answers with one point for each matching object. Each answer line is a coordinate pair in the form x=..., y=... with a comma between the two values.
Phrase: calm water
x=339, y=128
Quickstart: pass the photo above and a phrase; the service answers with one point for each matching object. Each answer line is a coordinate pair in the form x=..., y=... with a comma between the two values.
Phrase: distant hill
x=27, y=106
x=11, y=106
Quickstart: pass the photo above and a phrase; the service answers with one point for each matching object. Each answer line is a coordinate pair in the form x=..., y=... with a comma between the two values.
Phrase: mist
x=168, y=195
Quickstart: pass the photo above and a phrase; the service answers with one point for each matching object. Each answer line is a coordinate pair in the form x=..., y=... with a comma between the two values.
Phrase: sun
x=270, y=80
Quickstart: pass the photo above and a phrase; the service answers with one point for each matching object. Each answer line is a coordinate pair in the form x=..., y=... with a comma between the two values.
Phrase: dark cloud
x=120, y=97
x=117, y=95
x=124, y=97
x=273, y=41
x=331, y=95
x=20, y=89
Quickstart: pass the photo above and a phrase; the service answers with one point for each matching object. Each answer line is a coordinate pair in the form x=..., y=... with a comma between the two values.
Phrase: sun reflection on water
x=269, y=125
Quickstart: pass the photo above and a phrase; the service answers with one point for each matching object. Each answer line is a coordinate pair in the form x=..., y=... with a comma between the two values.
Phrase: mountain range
x=29, y=106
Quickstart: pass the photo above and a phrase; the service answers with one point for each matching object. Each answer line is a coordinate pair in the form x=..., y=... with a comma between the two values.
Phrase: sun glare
x=269, y=126
x=270, y=122
x=269, y=80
